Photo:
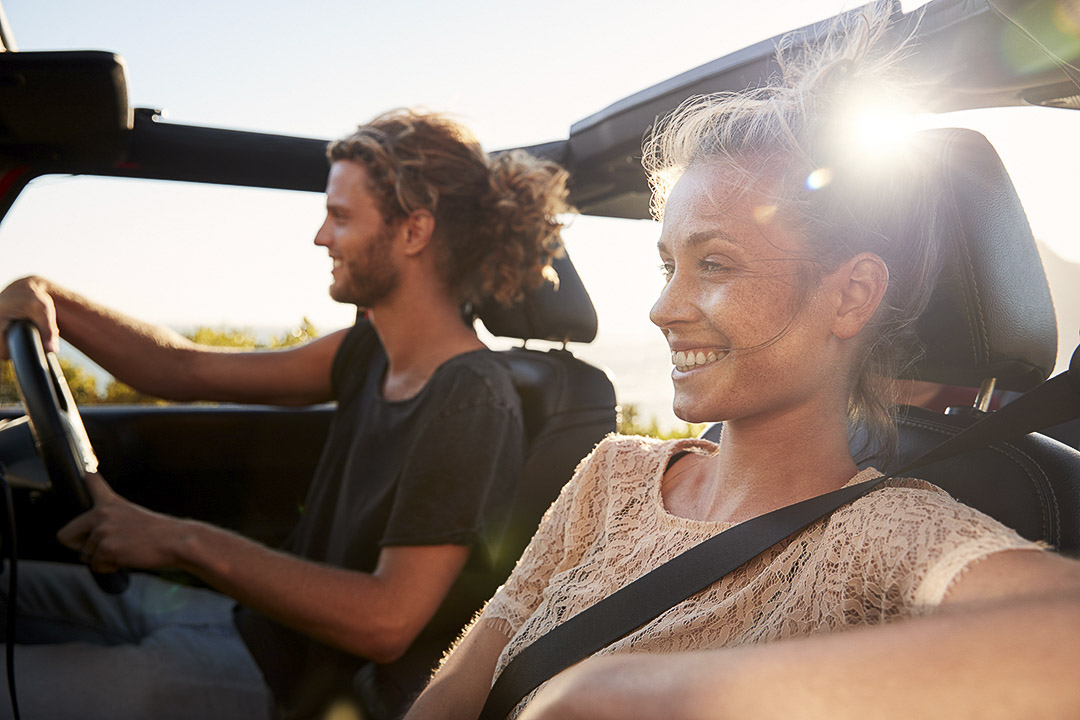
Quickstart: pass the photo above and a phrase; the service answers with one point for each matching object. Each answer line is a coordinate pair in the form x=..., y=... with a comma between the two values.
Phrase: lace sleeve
x=553, y=547
x=909, y=544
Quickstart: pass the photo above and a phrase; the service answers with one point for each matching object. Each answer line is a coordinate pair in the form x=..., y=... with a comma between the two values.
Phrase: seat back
x=990, y=324
x=1030, y=483
x=568, y=404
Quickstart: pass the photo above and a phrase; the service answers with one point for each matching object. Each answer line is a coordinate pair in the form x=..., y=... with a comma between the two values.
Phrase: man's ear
x=416, y=232
x=861, y=282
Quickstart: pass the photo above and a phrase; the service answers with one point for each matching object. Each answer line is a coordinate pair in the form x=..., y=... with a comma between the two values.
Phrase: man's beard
x=370, y=279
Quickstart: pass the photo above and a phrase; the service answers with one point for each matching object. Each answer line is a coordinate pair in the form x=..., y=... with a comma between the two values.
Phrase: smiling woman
x=774, y=184
x=735, y=292
x=788, y=307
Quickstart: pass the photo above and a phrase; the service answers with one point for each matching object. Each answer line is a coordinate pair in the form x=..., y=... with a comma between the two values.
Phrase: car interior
x=991, y=323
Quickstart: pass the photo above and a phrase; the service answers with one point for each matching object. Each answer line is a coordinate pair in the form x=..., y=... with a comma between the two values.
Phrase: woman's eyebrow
x=703, y=236
x=700, y=238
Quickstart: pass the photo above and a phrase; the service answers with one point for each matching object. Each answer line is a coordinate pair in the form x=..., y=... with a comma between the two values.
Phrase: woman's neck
x=762, y=465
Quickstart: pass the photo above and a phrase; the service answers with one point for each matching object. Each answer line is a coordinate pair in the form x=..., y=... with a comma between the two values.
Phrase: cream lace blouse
x=891, y=554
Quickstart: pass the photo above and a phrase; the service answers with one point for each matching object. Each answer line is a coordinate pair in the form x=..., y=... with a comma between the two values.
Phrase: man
x=419, y=222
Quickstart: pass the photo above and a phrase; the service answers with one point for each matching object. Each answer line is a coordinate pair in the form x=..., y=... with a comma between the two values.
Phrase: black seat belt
x=1055, y=401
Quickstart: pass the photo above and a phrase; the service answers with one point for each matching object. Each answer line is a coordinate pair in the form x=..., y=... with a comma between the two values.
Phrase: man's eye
x=667, y=270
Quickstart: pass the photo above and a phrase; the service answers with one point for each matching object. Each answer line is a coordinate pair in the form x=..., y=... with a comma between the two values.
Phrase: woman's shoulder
x=913, y=536
x=912, y=492
x=915, y=511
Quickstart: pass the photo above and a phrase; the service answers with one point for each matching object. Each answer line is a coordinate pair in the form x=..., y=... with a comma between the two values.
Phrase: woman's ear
x=862, y=281
x=417, y=230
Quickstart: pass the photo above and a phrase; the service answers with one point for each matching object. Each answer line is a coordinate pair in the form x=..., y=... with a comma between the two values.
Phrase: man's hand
x=29, y=299
x=117, y=533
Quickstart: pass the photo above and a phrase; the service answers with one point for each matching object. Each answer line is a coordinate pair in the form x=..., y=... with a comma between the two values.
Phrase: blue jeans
x=158, y=650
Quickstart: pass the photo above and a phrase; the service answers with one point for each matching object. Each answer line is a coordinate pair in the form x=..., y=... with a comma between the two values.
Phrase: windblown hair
x=496, y=219
x=790, y=141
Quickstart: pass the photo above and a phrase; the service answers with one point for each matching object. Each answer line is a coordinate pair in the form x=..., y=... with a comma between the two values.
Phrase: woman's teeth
x=685, y=360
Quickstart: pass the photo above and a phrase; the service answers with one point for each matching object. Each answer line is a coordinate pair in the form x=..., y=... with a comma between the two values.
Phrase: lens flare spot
x=763, y=214
x=344, y=710
x=819, y=178
x=879, y=130
x=1066, y=16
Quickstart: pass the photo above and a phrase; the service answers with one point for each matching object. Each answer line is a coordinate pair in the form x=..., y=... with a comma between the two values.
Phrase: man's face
x=359, y=241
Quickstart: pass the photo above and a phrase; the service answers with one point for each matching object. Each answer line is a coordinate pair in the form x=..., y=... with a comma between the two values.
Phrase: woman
x=794, y=274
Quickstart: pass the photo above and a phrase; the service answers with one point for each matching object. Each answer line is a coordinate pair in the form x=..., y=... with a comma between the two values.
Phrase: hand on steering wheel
x=57, y=427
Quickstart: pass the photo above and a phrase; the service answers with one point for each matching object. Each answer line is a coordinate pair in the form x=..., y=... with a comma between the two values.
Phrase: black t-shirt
x=439, y=468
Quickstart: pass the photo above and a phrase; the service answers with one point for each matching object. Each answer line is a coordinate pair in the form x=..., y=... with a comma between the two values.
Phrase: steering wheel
x=57, y=427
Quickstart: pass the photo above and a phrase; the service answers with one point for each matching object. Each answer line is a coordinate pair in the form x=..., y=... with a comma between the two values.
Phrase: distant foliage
x=224, y=337
x=81, y=382
x=631, y=423
x=84, y=388
x=245, y=337
x=118, y=393
x=9, y=393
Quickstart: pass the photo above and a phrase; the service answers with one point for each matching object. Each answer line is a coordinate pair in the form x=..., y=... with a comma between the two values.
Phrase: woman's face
x=746, y=339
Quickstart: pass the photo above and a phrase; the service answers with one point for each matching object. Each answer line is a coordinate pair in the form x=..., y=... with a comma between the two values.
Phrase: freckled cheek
x=750, y=313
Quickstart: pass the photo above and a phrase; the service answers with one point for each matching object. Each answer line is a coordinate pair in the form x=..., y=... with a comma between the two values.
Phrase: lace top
x=891, y=554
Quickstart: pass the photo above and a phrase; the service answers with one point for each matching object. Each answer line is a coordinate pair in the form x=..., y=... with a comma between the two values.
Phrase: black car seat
x=568, y=407
x=990, y=325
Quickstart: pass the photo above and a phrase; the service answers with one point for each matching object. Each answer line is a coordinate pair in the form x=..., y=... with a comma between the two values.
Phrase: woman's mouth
x=684, y=360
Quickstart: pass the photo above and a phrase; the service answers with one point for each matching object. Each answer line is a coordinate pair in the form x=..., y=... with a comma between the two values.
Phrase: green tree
x=9, y=392
x=299, y=335
x=224, y=337
x=245, y=338
x=630, y=422
x=118, y=393
x=82, y=383
x=84, y=387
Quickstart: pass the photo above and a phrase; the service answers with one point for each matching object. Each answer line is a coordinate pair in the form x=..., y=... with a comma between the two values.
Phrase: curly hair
x=791, y=140
x=497, y=221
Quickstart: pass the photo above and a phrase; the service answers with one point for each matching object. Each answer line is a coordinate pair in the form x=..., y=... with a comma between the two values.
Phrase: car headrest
x=565, y=314
x=990, y=315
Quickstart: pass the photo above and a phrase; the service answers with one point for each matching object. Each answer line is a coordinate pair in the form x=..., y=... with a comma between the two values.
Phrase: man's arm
x=1005, y=644
x=160, y=362
x=374, y=615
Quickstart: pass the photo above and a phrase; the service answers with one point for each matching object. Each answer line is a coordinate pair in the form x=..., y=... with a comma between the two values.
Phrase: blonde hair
x=496, y=219
x=777, y=136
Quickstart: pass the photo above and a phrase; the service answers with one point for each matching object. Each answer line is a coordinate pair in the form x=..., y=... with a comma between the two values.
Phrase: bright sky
x=517, y=73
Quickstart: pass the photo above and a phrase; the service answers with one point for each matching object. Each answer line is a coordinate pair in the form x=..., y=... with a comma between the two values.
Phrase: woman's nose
x=673, y=305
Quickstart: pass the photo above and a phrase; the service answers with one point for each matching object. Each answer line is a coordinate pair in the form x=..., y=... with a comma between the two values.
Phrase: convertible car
x=991, y=326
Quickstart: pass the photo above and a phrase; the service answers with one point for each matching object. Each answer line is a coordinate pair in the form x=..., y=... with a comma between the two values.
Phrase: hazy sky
x=516, y=72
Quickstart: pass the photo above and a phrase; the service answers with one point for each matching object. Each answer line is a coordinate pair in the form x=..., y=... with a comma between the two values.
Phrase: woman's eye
x=712, y=266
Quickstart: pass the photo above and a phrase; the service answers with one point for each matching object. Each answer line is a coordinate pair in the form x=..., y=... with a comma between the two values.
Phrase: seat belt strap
x=1055, y=401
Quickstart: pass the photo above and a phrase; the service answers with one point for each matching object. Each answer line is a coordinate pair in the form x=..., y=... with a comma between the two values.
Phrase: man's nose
x=321, y=235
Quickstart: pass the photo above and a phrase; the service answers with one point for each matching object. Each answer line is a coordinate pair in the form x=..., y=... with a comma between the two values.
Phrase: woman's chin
x=691, y=412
